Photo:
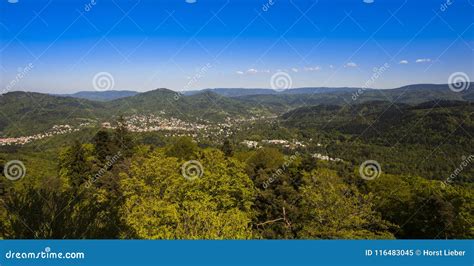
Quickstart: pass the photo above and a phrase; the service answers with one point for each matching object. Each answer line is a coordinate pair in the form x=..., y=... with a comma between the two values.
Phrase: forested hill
x=30, y=113
x=293, y=175
x=381, y=122
x=428, y=139
x=21, y=109
x=413, y=95
x=206, y=105
x=101, y=95
x=23, y=113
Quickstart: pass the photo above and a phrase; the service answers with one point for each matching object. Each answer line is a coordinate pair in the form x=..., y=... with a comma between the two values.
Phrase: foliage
x=182, y=148
x=161, y=204
x=118, y=184
x=423, y=208
x=335, y=210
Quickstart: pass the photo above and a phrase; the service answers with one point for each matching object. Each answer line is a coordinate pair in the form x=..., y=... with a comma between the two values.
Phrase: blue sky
x=178, y=45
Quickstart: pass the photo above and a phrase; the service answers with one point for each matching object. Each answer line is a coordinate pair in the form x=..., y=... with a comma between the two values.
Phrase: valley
x=277, y=155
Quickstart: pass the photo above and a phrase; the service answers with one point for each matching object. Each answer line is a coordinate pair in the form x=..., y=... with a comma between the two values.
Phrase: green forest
x=229, y=164
x=237, y=120
x=112, y=183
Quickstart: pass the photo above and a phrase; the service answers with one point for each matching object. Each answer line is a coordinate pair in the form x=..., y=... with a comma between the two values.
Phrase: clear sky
x=196, y=44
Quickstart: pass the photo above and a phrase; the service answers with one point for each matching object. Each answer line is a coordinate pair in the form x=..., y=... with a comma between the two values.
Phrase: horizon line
x=230, y=88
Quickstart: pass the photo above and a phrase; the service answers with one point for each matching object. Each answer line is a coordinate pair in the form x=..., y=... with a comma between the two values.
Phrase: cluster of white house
x=280, y=142
x=147, y=123
x=55, y=130
x=175, y=127
x=319, y=156
x=288, y=144
x=171, y=126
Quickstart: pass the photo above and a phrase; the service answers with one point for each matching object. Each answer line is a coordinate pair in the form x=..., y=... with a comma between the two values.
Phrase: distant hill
x=429, y=139
x=233, y=92
x=430, y=123
x=101, y=96
x=25, y=112
x=412, y=94
x=317, y=95
x=203, y=105
x=319, y=90
x=238, y=92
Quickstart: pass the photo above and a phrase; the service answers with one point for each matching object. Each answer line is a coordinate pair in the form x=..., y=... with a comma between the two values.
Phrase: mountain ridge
x=101, y=96
x=242, y=92
x=21, y=110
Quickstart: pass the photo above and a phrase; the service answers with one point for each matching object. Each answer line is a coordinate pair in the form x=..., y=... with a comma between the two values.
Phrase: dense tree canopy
x=161, y=203
x=116, y=186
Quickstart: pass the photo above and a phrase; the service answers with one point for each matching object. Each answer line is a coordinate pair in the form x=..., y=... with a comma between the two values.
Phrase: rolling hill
x=412, y=94
x=26, y=113
x=430, y=123
x=23, y=113
x=102, y=96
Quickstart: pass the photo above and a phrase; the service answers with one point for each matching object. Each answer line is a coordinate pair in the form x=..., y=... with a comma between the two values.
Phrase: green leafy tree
x=182, y=148
x=74, y=165
x=42, y=213
x=122, y=138
x=424, y=208
x=227, y=148
x=276, y=204
x=103, y=145
x=332, y=209
x=162, y=204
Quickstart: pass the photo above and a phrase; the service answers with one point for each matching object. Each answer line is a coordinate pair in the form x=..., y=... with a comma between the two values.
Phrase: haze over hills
x=238, y=92
x=435, y=89
x=209, y=104
x=228, y=92
x=101, y=95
